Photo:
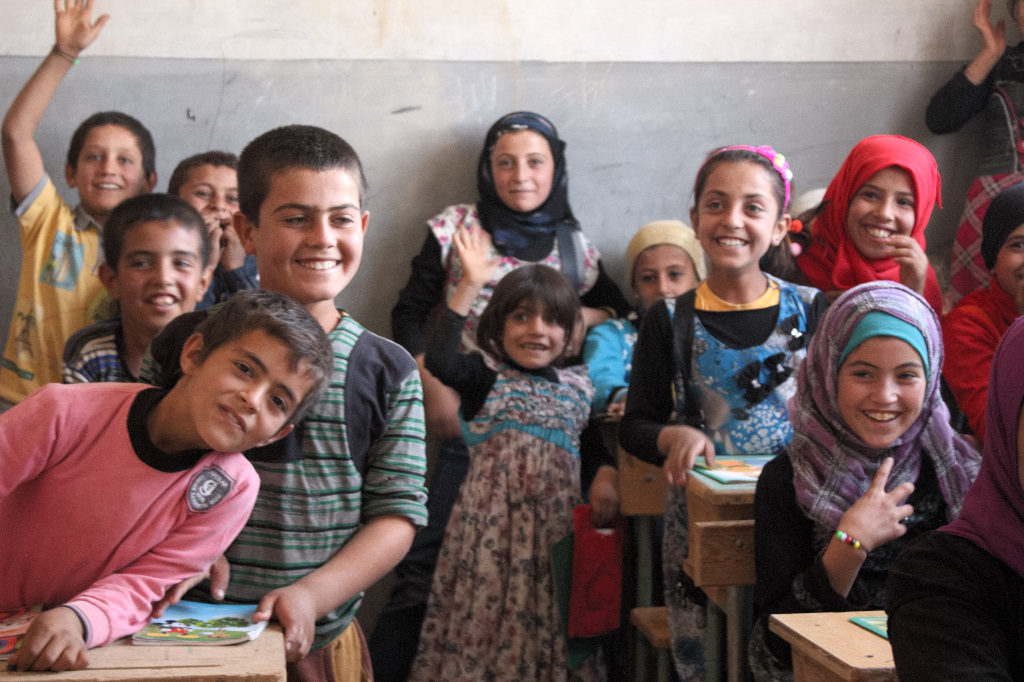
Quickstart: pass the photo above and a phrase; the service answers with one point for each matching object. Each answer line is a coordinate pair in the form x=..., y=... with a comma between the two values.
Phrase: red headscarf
x=832, y=262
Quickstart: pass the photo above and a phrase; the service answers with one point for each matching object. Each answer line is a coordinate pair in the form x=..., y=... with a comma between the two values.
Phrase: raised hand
x=994, y=38
x=473, y=244
x=74, y=26
x=993, y=43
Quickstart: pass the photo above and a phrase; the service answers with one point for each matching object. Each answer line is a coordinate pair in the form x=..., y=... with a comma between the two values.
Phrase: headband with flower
x=777, y=160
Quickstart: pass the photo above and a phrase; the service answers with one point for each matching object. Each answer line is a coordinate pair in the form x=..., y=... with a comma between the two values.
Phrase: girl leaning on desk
x=873, y=464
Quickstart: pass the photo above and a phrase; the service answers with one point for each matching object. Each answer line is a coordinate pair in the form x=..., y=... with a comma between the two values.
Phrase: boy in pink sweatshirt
x=110, y=493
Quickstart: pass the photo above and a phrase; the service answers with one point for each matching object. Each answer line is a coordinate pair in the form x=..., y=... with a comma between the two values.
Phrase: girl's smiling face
x=737, y=216
x=532, y=337
x=523, y=170
x=882, y=207
x=881, y=389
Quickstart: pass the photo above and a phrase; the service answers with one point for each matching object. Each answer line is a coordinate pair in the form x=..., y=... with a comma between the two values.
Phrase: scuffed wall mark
x=405, y=110
x=189, y=115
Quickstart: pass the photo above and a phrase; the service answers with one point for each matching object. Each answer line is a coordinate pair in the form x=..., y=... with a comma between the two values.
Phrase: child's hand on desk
x=682, y=445
x=55, y=641
x=295, y=608
x=219, y=573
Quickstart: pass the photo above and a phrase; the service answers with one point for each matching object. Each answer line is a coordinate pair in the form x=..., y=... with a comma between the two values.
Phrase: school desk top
x=261, y=660
x=827, y=646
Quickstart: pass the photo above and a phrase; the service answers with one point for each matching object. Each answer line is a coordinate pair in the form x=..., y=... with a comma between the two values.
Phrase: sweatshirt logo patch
x=208, y=488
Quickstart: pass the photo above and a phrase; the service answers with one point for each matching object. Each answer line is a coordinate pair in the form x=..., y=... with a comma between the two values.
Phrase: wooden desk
x=827, y=646
x=721, y=562
x=261, y=660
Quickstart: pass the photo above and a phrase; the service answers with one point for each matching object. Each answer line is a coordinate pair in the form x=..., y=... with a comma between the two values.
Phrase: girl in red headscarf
x=872, y=220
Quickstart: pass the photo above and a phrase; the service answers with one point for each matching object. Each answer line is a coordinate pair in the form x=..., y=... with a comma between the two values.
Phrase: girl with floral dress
x=492, y=612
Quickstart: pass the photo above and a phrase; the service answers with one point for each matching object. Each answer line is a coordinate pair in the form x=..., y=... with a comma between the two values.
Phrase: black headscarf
x=526, y=236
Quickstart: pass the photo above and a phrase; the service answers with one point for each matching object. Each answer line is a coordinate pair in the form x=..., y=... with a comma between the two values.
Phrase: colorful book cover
x=876, y=624
x=13, y=626
x=735, y=468
x=195, y=623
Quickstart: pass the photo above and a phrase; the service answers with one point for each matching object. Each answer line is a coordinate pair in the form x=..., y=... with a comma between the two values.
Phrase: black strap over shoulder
x=682, y=338
x=570, y=253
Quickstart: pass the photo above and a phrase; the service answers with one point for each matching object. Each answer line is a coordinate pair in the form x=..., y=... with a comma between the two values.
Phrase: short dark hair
x=210, y=158
x=283, y=319
x=293, y=146
x=114, y=118
x=145, y=207
x=533, y=285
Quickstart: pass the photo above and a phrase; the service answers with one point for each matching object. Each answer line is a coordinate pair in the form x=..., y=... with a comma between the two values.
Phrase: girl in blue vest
x=721, y=358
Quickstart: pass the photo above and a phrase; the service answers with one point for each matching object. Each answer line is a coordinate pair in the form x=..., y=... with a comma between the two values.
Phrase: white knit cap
x=674, y=232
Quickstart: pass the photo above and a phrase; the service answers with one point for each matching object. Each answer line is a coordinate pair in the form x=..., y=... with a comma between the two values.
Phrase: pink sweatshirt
x=85, y=522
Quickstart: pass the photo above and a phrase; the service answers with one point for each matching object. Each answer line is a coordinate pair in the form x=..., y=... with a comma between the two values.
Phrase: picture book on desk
x=195, y=623
x=735, y=468
x=876, y=624
x=13, y=626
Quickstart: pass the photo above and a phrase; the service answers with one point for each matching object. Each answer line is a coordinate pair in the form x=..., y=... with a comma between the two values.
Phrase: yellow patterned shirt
x=59, y=290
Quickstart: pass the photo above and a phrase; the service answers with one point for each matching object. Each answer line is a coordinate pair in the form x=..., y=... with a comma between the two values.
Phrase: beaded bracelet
x=848, y=539
x=57, y=51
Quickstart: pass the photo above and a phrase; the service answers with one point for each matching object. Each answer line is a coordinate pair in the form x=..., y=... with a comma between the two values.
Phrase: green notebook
x=876, y=624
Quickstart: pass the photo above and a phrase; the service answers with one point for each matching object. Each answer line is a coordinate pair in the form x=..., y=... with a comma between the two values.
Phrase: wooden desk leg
x=713, y=643
x=739, y=616
x=645, y=528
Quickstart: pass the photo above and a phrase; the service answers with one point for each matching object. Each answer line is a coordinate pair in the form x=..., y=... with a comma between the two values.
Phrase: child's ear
x=781, y=228
x=366, y=220
x=693, y=218
x=284, y=431
x=204, y=281
x=190, y=353
x=245, y=228
x=69, y=175
x=108, y=276
x=150, y=182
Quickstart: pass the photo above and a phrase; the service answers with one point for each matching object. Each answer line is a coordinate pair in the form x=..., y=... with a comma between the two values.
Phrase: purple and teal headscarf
x=526, y=236
x=832, y=466
x=993, y=513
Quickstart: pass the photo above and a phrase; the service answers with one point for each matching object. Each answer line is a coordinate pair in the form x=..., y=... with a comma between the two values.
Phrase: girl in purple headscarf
x=956, y=598
x=872, y=465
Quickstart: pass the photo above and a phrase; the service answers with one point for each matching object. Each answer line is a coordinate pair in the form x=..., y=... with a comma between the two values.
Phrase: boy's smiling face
x=159, y=275
x=309, y=239
x=244, y=393
x=109, y=170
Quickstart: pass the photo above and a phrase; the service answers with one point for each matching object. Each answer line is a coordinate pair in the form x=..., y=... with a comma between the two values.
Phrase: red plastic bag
x=595, y=598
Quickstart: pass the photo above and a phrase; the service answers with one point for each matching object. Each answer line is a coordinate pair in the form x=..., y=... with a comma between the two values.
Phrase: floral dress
x=492, y=612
